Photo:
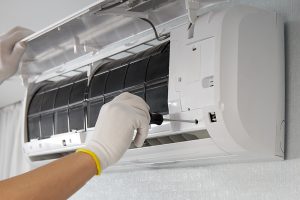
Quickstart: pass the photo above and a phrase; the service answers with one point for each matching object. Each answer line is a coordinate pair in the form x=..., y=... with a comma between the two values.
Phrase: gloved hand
x=11, y=51
x=115, y=128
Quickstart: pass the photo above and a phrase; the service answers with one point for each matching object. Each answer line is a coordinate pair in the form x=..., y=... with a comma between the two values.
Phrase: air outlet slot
x=170, y=139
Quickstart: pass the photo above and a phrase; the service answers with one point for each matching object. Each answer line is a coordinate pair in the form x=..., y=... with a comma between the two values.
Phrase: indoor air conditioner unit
x=223, y=69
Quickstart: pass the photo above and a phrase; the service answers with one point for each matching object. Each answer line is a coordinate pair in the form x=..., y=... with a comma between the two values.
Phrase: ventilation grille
x=170, y=139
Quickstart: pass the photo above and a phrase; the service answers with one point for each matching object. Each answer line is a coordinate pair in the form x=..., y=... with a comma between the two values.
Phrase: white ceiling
x=33, y=14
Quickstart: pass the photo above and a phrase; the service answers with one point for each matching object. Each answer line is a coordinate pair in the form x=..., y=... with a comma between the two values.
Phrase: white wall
x=254, y=181
x=36, y=14
x=259, y=181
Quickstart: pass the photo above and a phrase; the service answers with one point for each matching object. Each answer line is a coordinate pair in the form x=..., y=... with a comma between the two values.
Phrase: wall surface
x=36, y=14
x=247, y=181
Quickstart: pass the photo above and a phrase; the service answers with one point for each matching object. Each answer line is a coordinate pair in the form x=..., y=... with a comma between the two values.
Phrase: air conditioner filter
x=74, y=104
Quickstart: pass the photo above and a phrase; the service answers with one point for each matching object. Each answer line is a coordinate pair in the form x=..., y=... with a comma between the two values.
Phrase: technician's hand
x=115, y=127
x=11, y=51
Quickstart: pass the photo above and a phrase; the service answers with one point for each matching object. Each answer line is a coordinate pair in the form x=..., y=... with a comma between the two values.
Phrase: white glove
x=115, y=128
x=11, y=51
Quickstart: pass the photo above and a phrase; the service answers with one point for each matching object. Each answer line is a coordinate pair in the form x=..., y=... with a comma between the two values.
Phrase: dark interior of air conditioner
x=74, y=104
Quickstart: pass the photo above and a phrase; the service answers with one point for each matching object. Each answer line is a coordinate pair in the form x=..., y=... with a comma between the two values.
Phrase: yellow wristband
x=94, y=156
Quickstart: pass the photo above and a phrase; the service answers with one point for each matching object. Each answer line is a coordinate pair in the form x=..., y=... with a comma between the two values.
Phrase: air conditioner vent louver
x=169, y=139
x=154, y=141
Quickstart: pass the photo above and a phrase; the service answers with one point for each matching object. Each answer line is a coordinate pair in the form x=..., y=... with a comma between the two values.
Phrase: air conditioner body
x=225, y=70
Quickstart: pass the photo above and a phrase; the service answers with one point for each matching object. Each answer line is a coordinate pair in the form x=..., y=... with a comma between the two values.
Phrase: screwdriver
x=157, y=118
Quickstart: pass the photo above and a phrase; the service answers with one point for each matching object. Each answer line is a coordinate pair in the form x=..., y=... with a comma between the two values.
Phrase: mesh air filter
x=72, y=104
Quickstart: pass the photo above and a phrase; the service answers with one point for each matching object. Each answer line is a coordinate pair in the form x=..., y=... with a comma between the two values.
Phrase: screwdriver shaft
x=181, y=120
x=157, y=118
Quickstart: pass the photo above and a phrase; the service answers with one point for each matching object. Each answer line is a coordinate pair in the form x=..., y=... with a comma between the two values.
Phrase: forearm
x=57, y=180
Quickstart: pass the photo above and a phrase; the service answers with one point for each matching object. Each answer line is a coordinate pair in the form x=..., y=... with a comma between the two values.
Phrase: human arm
x=112, y=137
x=57, y=180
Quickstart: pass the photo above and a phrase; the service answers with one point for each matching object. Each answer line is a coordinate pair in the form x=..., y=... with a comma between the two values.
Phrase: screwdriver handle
x=156, y=118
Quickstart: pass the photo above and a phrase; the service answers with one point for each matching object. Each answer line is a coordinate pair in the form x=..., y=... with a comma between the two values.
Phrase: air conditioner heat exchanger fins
x=73, y=104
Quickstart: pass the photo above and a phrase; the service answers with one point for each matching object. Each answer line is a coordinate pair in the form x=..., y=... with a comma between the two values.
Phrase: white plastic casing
x=233, y=67
x=226, y=71
x=230, y=66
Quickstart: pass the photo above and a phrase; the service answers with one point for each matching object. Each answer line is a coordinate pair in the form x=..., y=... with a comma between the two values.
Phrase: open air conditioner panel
x=97, y=32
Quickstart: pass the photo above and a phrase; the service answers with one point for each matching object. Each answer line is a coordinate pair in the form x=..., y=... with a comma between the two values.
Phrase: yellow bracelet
x=94, y=156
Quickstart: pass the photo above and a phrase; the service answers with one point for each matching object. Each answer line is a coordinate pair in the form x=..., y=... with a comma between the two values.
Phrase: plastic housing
x=226, y=71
